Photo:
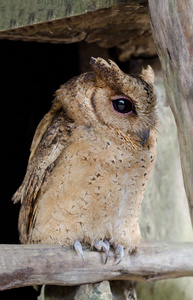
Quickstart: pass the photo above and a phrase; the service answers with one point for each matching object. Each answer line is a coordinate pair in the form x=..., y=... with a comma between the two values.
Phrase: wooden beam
x=25, y=265
x=18, y=13
x=172, y=27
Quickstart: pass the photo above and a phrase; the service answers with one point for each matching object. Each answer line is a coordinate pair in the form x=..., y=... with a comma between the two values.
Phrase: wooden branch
x=172, y=27
x=24, y=265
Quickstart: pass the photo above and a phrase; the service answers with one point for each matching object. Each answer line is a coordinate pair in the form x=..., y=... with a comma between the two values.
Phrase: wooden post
x=172, y=27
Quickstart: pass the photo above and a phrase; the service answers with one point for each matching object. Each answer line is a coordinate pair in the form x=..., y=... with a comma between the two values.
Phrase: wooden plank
x=172, y=27
x=24, y=265
x=20, y=13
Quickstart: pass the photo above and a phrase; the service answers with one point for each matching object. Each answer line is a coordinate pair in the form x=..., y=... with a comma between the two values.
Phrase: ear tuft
x=99, y=63
x=92, y=61
x=148, y=75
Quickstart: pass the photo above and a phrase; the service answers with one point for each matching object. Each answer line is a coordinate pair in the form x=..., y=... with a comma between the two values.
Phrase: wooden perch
x=25, y=265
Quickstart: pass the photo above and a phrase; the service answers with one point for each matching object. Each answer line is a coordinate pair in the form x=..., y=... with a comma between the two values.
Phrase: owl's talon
x=107, y=251
x=119, y=251
x=78, y=248
x=98, y=244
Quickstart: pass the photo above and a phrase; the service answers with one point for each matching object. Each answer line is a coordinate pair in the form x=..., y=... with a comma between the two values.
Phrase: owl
x=91, y=157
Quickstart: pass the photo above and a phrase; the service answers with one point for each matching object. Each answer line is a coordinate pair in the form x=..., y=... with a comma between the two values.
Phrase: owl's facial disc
x=122, y=105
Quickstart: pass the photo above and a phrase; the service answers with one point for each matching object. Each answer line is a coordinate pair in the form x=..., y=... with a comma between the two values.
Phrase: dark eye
x=122, y=106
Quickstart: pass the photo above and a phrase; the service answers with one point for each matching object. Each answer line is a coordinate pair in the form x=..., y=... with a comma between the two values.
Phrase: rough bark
x=24, y=265
x=96, y=291
x=172, y=26
x=105, y=290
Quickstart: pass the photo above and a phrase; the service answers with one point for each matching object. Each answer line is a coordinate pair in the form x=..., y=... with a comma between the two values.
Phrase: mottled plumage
x=90, y=160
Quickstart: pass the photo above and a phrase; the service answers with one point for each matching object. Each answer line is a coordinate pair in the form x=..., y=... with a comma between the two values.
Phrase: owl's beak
x=143, y=135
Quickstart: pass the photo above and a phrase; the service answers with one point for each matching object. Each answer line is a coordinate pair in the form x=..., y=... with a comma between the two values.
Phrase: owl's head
x=112, y=98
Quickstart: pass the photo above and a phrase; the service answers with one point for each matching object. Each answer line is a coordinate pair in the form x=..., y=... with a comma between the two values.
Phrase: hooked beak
x=143, y=135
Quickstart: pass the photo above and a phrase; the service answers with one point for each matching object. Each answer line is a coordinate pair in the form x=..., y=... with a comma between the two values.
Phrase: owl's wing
x=50, y=139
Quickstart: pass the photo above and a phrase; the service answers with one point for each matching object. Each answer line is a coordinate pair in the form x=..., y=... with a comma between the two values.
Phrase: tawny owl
x=90, y=161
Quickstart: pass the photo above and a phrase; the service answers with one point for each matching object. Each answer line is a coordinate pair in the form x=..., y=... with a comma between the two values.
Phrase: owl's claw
x=119, y=252
x=78, y=248
x=107, y=251
x=105, y=247
x=98, y=244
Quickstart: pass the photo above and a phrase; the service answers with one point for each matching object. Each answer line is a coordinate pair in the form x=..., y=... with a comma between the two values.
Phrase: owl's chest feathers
x=94, y=191
x=101, y=175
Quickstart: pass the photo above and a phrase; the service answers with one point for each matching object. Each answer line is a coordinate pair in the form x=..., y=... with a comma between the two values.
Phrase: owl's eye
x=122, y=105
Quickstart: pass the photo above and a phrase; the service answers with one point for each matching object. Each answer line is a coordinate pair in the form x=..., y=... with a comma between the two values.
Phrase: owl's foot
x=78, y=248
x=104, y=246
x=119, y=252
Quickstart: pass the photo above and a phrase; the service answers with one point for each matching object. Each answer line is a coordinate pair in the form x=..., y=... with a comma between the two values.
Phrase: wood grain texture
x=17, y=13
x=172, y=26
x=25, y=265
